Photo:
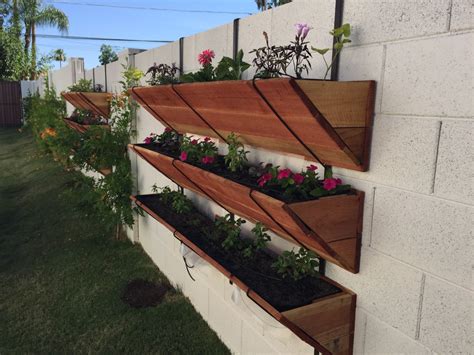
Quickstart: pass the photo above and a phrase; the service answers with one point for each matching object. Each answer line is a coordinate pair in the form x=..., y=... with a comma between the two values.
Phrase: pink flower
x=262, y=180
x=331, y=183
x=167, y=129
x=298, y=179
x=311, y=167
x=283, y=174
x=148, y=140
x=302, y=30
x=205, y=57
x=194, y=142
x=207, y=139
x=207, y=160
x=183, y=156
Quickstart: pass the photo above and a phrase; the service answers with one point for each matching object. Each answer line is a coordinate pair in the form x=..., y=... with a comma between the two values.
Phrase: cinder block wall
x=415, y=289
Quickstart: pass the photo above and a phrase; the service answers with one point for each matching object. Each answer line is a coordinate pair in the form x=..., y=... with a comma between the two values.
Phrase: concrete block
x=359, y=331
x=148, y=176
x=446, y=320
x=150, y=241
x=386, y=288
x=147, y=124
x=198, y=293
x=381, y=338
x=363, y=63
x=226, y=322
x=430, y=77
x=253, y=343
x=455, y=164
x=387, y=20
x=99, y=73
x=462, y=14
x=428, y=233
x=403, y=153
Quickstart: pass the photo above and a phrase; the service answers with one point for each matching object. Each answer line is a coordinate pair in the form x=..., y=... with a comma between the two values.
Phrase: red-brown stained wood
x=320, y=120
x=327, y=323
x=331, y=226
x=96, y=102
x=81, y=128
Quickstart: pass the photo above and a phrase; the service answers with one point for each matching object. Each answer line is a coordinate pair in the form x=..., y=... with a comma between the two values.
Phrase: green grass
x=62, y=272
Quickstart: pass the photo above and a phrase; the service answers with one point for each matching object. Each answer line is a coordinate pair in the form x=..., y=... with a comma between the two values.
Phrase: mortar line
x=427, y=117
x=372, y=216
x=382, y=76
x=450, y=13
x=420, y=307
x=433, y=183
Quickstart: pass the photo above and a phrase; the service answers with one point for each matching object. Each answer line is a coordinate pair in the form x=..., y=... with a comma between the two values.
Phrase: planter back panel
x=81, y=128
x=331, y=226
x=327, y=323
x=96, y=102
x=323, y=121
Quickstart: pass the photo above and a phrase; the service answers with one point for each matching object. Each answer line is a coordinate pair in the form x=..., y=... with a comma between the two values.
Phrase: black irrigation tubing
x=184, y=259
x=156, y=113
x=197, y=113
x=285, y=124
x=274, y=220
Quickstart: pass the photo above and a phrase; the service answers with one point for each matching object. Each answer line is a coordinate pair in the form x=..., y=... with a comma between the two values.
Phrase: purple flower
x=302, y=30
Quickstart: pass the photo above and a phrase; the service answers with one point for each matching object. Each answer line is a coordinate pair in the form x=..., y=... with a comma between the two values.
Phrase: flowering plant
x=305, y=184
x=162, y=74
x=198, y=151
x=169, y=138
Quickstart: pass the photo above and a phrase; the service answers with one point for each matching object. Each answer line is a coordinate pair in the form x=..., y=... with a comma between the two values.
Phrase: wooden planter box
x=81, y=128
x=331, y=226
x=327, y=323
x=321, y=120
x=96, y=102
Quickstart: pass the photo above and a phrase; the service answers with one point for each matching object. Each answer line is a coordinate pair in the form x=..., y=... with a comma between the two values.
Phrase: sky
x=112, y=22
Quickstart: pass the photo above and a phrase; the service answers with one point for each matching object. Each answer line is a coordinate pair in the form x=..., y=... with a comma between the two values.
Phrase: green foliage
x=297, y=266
x=107, y=54
x=231, y=69
x=259, y=242
x=229, y=227
x=206, y=73
x=162, y=74
x=178, y=201
x=198, y=151
x=236, y=158
x=341, y=36
x=130, y=77
x=83, y=85
x=14, y=62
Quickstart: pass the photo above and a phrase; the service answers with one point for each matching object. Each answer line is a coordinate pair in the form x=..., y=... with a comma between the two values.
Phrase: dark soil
x=219, y=168
x=141, y=293
x=256, y=272
x=87, y=121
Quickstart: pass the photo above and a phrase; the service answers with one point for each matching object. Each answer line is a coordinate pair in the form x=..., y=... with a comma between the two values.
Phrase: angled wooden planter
x=327, y=323
x=331, y=226
x=81, y=128
x=96, y=102
x=326, y=121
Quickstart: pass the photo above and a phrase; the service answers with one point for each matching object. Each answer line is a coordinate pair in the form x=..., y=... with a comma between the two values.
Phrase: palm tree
x=59, y=56
x=35, y=13
x=268, y=4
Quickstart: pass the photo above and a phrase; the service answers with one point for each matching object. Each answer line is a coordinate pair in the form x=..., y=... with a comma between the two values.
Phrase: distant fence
x=10, y=104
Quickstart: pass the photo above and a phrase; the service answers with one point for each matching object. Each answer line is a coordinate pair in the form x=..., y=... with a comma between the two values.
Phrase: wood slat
x=96, y=102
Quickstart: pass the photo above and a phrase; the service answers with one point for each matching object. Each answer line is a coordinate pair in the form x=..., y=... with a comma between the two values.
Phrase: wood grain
x=96, y=102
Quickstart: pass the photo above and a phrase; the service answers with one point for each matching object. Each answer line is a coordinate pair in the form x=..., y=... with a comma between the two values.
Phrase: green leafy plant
x=297, y=266
x=236, y=158
x=231, y=69
x=229, y=227
x=82, y=85
x=178, y=201
x=341, y=36
x=259, y=242
x=198, y=151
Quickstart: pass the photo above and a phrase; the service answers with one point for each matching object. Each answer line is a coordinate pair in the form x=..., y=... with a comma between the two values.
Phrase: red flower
x=311, y=167
x=262, y=180
x=331, y=183
x=205, y=57
x=298, y=179
x=167, y=129
x=207, y=160
x=207, y=139
x=283, y=174
x=194, y=142
x=183, y=156
x=148, y=140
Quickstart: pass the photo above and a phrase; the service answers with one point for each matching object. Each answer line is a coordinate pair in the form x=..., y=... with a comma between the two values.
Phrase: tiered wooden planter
x=331, y=226
x=326, y=121
x=327, y=323
x=96, y=102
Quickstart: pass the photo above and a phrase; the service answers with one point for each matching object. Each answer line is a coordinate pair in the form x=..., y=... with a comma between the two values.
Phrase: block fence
x=415, y=288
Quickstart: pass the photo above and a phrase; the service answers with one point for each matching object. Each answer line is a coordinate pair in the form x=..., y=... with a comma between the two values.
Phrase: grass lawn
x=62, y=274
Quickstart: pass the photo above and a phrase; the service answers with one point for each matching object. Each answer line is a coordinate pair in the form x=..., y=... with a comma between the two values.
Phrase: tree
x=59, y=56
x=34, y=13
x=107, y=54
x=268, y=4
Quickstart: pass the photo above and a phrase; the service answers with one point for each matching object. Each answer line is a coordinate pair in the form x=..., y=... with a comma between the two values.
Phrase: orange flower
x=48, y=132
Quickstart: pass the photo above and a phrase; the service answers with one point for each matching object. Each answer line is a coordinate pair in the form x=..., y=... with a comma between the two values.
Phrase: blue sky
x=140, y=24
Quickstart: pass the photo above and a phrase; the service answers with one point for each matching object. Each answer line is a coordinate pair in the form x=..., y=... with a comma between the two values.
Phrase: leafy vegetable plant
x=82, y=85
x=297, y=266
x=230, y=228
x=259, y=242
x=236, y=158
